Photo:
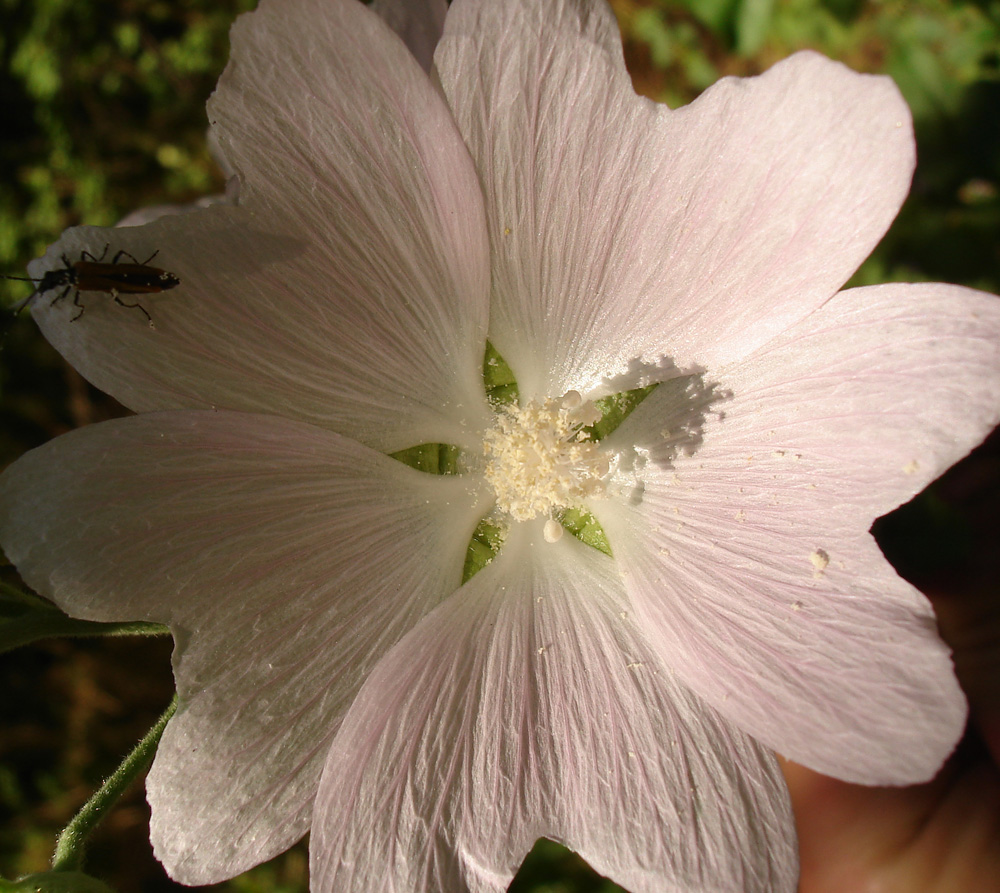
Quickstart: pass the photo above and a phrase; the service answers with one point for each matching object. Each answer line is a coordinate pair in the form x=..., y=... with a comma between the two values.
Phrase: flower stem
x=15, y=635
x=26, y=618
x=70, y=845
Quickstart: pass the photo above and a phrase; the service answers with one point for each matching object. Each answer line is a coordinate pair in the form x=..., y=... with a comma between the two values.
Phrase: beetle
x=91, y=273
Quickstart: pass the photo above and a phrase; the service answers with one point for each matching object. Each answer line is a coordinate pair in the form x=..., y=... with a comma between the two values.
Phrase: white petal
x=593, y=20
x=350, y=286
x=418, y=22
x=142, y=216
x=882, y=389
x=622, y=230
x=529, y=705
x=286, y=559
x=750, y=558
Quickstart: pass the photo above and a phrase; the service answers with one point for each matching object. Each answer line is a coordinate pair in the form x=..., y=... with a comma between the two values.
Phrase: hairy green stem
x=24, y=631
x=70, y=845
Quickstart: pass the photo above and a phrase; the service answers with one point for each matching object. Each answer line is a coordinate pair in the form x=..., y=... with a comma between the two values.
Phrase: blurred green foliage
x=104, y=113
x=945, y=58
x=934, y=49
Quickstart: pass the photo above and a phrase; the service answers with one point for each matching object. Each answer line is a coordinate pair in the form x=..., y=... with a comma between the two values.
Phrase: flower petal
x=622, y=230
x=885, y=387
x=286, y=559
x=350, y=286
x=749, y=559
x=483, y=21
x=529, y=705
x=418, y=22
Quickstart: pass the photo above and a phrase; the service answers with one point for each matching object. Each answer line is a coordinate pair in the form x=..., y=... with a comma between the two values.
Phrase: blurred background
x=103, y=113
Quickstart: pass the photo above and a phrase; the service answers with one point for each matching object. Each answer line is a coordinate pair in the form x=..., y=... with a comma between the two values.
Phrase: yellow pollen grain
x=539, y=459
x=820, y=560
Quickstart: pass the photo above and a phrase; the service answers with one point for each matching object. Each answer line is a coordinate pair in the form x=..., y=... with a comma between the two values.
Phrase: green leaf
x=753, y=18
x=717, y=15
x=845, y=10
x=649, y=27
x=56, y=882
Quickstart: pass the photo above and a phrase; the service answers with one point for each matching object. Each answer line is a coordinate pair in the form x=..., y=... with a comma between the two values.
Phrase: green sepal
x=431, y=458
x=498, y=379
x=615, y=409
x=586, y=528
x=483, y=548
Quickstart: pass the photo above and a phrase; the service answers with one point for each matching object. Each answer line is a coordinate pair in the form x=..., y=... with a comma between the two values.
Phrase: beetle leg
x=136, y=305
x=61, y=295
x=76, y=302
x=133, y=258
x=86, y=255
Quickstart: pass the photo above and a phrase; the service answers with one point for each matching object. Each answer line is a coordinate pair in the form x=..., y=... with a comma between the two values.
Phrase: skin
x=939, y=837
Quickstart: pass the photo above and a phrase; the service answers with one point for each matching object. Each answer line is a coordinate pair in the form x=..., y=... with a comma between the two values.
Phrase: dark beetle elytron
x=91, y=273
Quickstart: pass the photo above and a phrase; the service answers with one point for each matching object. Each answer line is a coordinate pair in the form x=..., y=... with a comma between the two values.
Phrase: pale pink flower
x=334, y=675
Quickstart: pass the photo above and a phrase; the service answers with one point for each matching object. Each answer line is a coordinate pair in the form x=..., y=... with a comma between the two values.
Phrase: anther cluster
x=540, y=457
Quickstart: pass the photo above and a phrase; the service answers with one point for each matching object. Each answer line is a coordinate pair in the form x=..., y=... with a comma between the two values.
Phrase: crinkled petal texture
x=418, y=22
x=530, y=705
x=622, y=230
x=350, y=286
x=287, y=561
x=749, y=559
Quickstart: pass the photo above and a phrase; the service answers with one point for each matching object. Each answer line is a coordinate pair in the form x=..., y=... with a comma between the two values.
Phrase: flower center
x=539, y=458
